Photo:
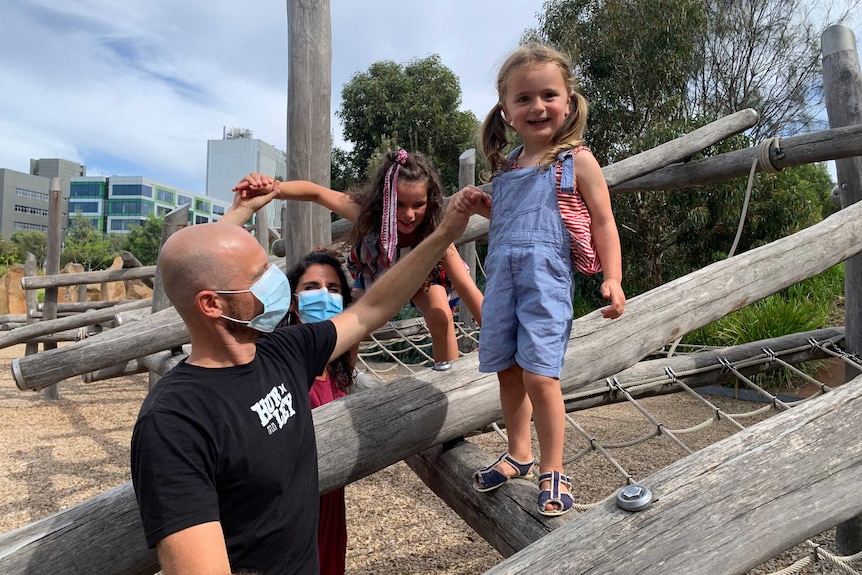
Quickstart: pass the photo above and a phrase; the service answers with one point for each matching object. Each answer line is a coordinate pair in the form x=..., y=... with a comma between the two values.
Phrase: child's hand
x=472, y=200
x=255, y=184
x=612, y=290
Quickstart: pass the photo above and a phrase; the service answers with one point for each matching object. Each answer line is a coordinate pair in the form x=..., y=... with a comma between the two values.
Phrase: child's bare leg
x=434, y=305
x=517, y=413
x=549, y=416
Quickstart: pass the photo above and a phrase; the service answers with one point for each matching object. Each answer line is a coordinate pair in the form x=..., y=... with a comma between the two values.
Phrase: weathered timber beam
x=507, y=518
x=713, y=510
x=820, y=146
x=624, y=170
x=370, y=430
x=82, y=539
x=488, y=514
x=57, y=280
x=131, y=367
x=690, y=368
x=157, y=332
x=82, y=306
x=91, y=317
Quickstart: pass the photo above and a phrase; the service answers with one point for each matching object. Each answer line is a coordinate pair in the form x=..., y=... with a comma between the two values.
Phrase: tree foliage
x=144, y=241
x=86, y=245
x=653, y=70
x=34, y=242
x=414, y=106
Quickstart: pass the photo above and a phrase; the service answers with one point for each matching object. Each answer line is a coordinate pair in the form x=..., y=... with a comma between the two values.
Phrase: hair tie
x=389, y=226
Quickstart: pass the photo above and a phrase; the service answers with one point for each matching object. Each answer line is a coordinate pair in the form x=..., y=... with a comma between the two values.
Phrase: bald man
x=224, y=462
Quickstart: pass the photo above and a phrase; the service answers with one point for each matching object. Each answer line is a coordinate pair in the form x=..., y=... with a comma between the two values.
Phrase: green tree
x=31, y=241
x=705, y=59
x=415, y=106
x=144, y=241
x=634, y=59
x=9, y=253
x=86, y=245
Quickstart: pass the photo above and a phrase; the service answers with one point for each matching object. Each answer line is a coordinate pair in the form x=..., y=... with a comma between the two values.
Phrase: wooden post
x=842, y=87
x=32, y=300
x=52, y=267
x=467, y=177
x=309, y=86
x=175, y=220
x=261, y=227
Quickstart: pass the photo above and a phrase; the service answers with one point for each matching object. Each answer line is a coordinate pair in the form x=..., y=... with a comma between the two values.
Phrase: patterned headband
x=389, y=227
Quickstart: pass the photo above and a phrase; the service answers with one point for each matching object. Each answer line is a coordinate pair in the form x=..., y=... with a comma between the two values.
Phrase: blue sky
x=137, y=88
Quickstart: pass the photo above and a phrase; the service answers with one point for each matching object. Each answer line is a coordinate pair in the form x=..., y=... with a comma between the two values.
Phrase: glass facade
x=132, y=190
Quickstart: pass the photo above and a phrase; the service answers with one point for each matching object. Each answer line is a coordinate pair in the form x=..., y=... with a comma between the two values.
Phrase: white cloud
x=137, y=87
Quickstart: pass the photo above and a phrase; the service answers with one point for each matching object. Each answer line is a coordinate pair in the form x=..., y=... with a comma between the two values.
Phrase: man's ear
x=209, y=304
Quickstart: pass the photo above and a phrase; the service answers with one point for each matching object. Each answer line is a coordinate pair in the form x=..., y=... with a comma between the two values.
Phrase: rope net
x=404, y=347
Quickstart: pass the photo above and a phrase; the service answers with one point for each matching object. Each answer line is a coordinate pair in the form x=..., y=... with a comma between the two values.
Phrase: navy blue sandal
x=553, y=495
x=489, y=478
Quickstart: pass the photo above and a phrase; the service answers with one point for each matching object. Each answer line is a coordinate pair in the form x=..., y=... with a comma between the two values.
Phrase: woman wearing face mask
x=320, y=291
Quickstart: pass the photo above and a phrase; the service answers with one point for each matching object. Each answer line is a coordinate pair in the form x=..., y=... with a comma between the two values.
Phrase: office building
x=235, y=156
x=24, y=202
x=116, y=203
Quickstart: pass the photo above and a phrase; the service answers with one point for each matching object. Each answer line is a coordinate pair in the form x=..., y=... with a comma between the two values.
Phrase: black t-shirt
x=236, y=445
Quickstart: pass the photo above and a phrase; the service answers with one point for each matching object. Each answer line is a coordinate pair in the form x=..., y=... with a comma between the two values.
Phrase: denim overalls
x=527, y=310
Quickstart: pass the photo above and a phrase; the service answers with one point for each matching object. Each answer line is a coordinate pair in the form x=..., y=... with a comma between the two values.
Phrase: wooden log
x=632, y=167
x=842, y=89
x=13, y=318
x=57, y=280
x=82, y=539
x=130, y=261
x=45, y=327
x=82, y=306
x=161, y=330
x=799, y=470
x=131, y=367
x=506, y=518
x=110, y=510
x=820, y=146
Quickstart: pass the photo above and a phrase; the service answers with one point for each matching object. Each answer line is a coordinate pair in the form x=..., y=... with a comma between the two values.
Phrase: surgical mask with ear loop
x=273, y=291
x=316, y=305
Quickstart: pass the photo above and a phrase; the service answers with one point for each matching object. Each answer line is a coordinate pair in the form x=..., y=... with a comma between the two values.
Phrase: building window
x=218, y=210
x=130, y=208
x=83, y=207
x=161, y=211
x=125, y=225
x=166, y=196
x=202, y=206
x=31, y=210
x=132, y=190
x=32, y=194
x=201, y=219
x=30, y=227
x=183, y=200
x=87, y=190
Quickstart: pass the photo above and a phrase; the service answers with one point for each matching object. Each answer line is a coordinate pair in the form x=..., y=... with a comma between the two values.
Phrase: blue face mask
x=273, y=291
x=318, y=305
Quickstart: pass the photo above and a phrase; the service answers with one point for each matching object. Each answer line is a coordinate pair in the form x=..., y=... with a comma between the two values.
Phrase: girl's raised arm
x=302, y=191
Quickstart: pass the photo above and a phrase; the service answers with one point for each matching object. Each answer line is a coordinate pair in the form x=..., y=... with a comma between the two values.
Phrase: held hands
x=461, y=206
x=612, y=290
x=253, y=192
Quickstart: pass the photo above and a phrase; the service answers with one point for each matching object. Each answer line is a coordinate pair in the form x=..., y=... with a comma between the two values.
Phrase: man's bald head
x=203, y=257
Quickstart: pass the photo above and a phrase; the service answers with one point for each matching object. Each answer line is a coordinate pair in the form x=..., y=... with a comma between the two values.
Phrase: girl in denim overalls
x=527, y=311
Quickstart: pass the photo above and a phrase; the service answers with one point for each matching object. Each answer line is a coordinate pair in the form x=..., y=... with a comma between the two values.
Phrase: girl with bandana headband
x=401, y=206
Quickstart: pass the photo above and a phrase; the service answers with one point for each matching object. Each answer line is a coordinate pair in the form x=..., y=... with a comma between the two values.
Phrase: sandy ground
x=55, y=454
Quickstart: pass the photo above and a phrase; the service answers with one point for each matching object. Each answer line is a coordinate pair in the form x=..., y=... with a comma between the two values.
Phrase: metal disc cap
x=634, y=497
